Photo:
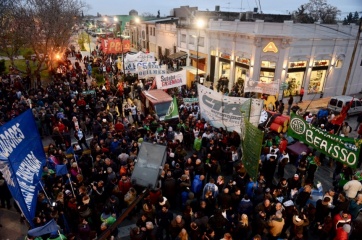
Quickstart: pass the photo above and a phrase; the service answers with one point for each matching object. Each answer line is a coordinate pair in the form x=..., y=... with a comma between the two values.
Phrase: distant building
x=133, y=13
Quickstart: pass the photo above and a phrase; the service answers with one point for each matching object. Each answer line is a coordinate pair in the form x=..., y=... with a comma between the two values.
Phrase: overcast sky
x=112, y=7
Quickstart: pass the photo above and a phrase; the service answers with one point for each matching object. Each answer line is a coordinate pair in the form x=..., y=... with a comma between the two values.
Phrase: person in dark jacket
x=163, y=220
x=80, y=136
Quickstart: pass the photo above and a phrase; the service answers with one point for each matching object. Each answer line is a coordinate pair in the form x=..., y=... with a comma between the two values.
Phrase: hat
x=267, y=190
x=296, y=175
x=68, y=192
x=322, y=125
x=347, y=228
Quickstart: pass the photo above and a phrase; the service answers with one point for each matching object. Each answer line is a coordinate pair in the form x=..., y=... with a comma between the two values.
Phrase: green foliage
x=2, y=66
x=27, y=54
x=351, y=18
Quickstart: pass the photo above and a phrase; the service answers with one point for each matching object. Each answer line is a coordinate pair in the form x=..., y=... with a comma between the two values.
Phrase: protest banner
x=171, y=80
x=110, y=45
x=339, y=148
x=190, y=100
x=271, y=88
x=21, y=161
x=224, y=111
x=140, y=57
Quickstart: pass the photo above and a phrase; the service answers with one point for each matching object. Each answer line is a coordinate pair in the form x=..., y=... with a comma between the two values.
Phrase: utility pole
x=352, y=58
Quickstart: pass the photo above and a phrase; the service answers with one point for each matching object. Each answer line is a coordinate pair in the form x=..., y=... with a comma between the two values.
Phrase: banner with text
x=140, y=57
x=224, y=111
x=252, y=145
x=110, y=45
x=190, y=100
x=145, y=69
x=21, y=161
x=271, y=88
x=171, y=80
x=339, y=148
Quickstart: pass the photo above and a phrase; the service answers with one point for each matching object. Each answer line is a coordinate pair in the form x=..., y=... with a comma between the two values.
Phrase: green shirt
x=197, y=144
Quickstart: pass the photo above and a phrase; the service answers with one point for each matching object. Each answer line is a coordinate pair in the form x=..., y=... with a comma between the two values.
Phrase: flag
x=22, y=159
x=172, y=111
x=61, y=169
x=245, y=108
x=50, y=227
x=70, y=150
x=339, y=119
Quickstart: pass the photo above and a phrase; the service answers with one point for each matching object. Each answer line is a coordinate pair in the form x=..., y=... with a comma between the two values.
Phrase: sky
x=122, y=7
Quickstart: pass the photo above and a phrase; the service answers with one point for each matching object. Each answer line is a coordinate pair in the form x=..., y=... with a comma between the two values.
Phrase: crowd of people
x=204, y=190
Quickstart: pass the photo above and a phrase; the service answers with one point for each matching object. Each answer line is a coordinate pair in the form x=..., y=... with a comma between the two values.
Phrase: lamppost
x=199, y=24
x=121, y=37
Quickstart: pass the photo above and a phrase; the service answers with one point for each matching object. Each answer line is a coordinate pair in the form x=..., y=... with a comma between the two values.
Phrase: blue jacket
x=196, y=186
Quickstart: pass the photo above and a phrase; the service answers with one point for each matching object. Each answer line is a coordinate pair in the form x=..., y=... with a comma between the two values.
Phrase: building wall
x=318, y=47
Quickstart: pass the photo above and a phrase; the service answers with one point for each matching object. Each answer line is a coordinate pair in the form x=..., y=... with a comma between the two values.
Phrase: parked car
x=338, y=102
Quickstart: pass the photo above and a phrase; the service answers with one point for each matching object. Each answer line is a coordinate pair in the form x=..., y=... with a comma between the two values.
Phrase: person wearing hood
x=299, y=222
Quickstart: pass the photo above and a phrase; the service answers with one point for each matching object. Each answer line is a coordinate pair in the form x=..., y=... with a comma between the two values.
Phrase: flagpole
x=60, y=235
x=42, y=187
x=71, y=185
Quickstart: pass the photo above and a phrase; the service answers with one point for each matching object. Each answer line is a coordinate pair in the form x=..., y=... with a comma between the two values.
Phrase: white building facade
x=313, y=56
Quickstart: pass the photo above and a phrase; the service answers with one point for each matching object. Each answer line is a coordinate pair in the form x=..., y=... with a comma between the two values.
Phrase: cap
x=322, y=125
x=296, y=175
x=267, y=190
x=68, y=192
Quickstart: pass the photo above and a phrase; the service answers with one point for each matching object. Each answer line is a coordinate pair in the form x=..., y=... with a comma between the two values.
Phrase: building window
x=154, y=31
x=339, y=63
x=201, y=41
x=268, y=64
x=183, y=38
x=316, y=82
x=225, y=71
x=191, y=40
x=267, y=71
x=295, y=82
x=318, y=76
x=242, y=60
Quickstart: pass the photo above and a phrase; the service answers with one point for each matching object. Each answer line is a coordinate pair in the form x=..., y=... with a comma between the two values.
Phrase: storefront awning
x=196, y=57
x=177, y=55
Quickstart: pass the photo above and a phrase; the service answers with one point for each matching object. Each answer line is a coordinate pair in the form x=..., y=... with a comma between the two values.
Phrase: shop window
x=224, y=69
x=268, y=64
x=316, y=81
x=183, y=38
x=266, y=76
x=295, y=83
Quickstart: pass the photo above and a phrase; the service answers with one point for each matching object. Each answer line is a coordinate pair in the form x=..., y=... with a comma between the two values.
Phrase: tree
x=316, y=10
x=351, y=18
x=44, y=26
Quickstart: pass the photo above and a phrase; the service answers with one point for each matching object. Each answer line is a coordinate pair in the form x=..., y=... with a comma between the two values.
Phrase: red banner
x=110, y=45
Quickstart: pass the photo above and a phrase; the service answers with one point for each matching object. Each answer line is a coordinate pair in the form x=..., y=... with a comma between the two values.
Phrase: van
x=156, y=102
x=337, y=103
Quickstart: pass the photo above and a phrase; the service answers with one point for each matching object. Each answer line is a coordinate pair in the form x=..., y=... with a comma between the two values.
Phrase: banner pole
x=71, y=185
x=42, y=187
x=60, y=235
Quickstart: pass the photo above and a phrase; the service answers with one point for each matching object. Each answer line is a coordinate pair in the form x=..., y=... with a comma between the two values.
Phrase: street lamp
x=199, y=25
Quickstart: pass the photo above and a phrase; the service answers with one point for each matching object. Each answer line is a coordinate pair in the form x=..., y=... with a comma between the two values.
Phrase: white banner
x=271, y=88
x=224, y=111
x=140, y=57
x=145, y=69
x=171, y=80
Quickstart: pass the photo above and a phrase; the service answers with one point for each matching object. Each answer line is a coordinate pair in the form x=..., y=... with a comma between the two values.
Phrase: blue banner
x=50, y=227
x=21, y=161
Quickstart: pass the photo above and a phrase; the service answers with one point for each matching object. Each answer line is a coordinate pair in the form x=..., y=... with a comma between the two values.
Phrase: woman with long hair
x=242, y=229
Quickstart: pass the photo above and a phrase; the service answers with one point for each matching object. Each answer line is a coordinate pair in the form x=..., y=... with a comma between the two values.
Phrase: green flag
x=252, y=146
x=172, y=111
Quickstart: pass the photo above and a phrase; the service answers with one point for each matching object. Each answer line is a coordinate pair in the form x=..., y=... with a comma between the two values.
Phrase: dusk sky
x=112, y=7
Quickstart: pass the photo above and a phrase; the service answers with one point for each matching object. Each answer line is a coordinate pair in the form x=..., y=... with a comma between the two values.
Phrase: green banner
x=252, y=145
x=339, y=148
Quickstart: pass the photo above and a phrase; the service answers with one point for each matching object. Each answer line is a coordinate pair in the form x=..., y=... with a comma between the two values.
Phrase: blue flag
x=50, y=227
x=61, y=169
x=22, y=159
x=70, y=150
